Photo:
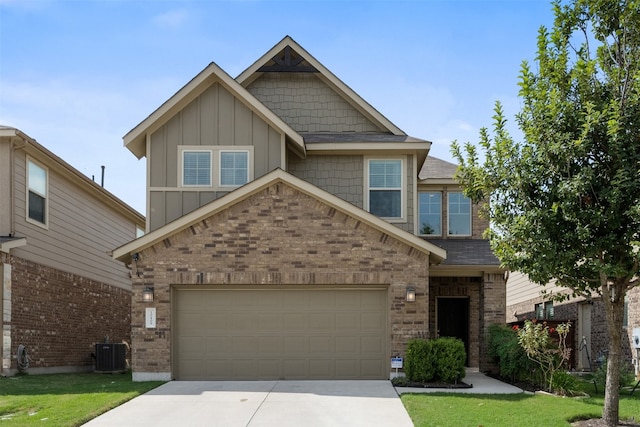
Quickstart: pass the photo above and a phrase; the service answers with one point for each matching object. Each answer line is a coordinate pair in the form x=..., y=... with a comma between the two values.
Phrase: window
x=459, y=210
x=37, y=188
x=430, y=212
x=544, y=310
x=196, y=168
x=234, y=168
x=385, y=187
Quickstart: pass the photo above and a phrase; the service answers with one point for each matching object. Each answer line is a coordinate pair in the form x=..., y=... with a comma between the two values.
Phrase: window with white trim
x=37, y=186
x=430, y=213
x=196, y=168
x=385, y=188
x=234, y=168
x=459, y=214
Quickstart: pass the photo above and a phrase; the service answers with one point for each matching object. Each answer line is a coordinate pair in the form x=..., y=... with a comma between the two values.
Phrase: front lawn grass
x=509, y=410
x=64, y=399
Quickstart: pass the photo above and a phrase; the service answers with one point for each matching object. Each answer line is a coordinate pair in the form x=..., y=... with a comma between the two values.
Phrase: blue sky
x=77, y=75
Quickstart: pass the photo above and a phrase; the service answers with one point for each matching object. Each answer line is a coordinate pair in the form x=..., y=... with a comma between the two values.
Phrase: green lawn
x=64, y=399
x=451, y=410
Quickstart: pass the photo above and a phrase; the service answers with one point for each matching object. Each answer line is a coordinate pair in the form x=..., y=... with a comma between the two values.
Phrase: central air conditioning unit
x=110, y=358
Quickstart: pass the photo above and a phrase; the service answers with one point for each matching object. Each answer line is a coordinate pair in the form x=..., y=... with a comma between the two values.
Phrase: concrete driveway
x=262, y=403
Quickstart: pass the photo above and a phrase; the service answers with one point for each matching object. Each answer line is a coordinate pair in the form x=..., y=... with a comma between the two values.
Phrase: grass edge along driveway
x=509, y=410
x=65, y=400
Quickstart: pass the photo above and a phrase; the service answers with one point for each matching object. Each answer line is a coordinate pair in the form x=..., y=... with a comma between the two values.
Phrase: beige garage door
x=291, y=333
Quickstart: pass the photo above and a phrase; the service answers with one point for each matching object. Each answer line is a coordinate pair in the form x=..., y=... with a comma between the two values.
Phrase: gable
x=277, y=177
x=290, y=60
x=136, y=139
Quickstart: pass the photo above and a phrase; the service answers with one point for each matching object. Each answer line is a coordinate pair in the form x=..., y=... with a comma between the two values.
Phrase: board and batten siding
x=214, y=118
x=81, y=230
x=308, y=104
x=343, y=176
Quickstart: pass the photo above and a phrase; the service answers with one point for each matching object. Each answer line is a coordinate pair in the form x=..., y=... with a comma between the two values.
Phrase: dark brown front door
x=453, y=320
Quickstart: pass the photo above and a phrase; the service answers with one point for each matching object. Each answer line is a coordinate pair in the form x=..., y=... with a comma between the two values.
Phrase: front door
x=453, y=320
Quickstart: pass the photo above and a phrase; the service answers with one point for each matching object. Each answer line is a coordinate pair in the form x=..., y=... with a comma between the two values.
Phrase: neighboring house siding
x=81, y=230
x=214, y=118
x=58, y=316
x=5, y=188
x=343, y=176
x=307, y=104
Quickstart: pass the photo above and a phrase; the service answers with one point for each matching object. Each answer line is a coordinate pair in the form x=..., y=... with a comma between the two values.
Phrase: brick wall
x=58, y=316
x=276, y=236
x=493, y=297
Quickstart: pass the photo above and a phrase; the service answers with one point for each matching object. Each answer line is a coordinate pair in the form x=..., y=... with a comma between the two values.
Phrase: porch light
x=411, y=294
x=147, y=294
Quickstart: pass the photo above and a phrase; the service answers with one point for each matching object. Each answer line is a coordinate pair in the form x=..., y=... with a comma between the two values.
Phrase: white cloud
x=172, y=19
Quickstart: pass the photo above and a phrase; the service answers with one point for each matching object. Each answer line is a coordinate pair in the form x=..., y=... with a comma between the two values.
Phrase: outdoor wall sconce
x=147, y=294
x=411, y=294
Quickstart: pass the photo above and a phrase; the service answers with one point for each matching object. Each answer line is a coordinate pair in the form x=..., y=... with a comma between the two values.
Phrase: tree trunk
x=613, y=300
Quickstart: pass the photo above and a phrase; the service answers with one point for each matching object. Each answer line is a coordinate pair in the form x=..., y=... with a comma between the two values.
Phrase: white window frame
x=420, y=212
x=198, y=149
x=402, y=188
x=45, y=196
x=249, y=167
x=449, y=216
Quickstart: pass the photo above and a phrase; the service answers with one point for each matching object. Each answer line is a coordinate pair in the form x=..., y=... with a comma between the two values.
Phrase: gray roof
x=466, y=251
x=434, y=168
x=6, y=239
x=325, y=137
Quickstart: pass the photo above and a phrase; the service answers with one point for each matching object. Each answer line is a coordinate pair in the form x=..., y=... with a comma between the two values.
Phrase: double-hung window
x=37, y=186
x=196, y=168
x=215, y=167
x=459, y=214
x=385, y=189
x=430, y=213
x=234, y=168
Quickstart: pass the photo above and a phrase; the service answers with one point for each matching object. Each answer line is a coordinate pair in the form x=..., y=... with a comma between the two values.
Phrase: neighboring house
x=295, y=232
x=588, y=322
x=62, y=292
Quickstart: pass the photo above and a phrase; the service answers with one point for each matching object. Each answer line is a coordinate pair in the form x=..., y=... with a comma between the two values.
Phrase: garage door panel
x=295, y=344
x=270, y=345
x=291, y=333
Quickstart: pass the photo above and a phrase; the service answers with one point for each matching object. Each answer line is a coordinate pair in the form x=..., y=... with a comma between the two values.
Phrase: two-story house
x=295, y=232
x=62, y=292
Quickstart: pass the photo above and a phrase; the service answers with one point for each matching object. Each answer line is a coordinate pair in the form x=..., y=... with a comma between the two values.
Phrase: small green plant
x=450, y=358
x=563, y=383
x=419, y=365
x=626, y=374
x=508, y=354
x=550, y=355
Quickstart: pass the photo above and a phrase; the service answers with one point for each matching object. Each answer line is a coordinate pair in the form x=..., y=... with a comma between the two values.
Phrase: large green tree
x=565, y=201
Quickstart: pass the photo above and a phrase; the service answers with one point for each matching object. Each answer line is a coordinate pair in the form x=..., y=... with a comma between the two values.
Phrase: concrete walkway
x=279, y=403
x=482, y=384
x=262, y=404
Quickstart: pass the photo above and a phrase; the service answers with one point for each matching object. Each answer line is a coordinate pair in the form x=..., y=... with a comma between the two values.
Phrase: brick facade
x=569, y=310
x=59, y=316
x=278, y=236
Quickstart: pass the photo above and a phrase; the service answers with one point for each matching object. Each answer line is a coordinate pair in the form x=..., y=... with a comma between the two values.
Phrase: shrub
x=419, y=364
x=563, y=383
x=450, y=357
x=626, y=374
x=508, y=354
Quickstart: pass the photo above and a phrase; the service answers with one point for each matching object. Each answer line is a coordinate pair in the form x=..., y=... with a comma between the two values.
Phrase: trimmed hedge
x=440, y=359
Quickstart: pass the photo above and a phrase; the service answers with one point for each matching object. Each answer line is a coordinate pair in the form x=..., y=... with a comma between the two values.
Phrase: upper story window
x=385, y=187
x=37, y=186
x=459, y=214
x=234, y=168
x=544, y=310
x=430, y=213
x=196, y=168
x=215, y=167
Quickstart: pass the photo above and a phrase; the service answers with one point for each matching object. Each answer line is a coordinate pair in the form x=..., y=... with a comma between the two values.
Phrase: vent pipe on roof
x=102, y=180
